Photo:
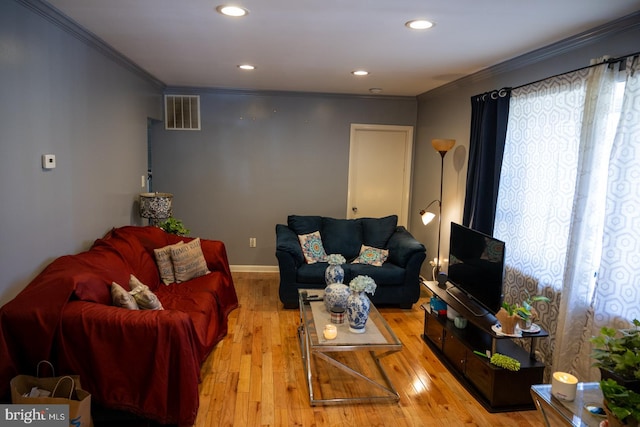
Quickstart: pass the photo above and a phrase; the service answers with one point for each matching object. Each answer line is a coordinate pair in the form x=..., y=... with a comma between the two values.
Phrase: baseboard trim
x=254, y=269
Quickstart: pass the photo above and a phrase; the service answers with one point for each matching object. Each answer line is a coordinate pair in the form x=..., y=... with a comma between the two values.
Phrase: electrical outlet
x=252, y=242
x=48, y=161
x=143, y=181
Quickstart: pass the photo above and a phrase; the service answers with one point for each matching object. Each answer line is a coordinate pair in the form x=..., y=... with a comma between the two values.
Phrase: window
x=537, y=182
x=568, y=206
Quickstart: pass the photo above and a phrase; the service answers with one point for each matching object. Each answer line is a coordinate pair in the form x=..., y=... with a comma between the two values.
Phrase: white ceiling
x=313, y=45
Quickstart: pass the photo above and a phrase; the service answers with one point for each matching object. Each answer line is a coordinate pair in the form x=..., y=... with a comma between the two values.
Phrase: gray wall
x=60, y=96
x=445, y=112
x=260, y=157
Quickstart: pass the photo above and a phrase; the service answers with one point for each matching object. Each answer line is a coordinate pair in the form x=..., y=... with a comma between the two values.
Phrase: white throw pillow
x=121, y=298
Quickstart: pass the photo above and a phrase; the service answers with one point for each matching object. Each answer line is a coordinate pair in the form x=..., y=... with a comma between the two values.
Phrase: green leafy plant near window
x=623, y=403
x=174, y=226
x=618, y=351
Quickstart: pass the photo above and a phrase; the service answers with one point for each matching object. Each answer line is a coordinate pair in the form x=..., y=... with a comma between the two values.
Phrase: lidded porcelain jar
x=335, y=296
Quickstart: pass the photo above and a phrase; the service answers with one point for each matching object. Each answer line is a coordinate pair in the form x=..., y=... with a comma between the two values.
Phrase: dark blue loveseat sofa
x=398, y=279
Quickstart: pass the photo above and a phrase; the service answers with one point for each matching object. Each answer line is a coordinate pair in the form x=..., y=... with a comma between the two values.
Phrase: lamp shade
x=443, y=145
x=427, y=217
x=156, y=205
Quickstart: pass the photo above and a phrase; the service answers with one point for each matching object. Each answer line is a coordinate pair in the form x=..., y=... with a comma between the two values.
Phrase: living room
x=91, y=109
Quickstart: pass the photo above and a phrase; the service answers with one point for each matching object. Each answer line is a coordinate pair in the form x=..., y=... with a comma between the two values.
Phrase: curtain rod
x=609, y=61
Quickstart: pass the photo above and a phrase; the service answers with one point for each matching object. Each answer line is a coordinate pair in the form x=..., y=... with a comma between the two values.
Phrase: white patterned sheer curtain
x=617, y=294
x=568, y=224
x=537, y=183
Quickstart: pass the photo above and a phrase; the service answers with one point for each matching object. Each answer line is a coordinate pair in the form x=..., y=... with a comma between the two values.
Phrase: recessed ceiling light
x=419, y=24
x=235, y=11
x=246, y=67
x=360, y=73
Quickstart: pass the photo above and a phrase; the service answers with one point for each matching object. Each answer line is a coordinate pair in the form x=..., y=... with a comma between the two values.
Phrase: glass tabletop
x=578, y=412
x=314, y=316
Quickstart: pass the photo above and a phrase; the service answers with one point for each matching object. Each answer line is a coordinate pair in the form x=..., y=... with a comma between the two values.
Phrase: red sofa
x=146, y=362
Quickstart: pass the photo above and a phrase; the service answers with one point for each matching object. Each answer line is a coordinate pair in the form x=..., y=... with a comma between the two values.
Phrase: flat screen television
x=476, y=269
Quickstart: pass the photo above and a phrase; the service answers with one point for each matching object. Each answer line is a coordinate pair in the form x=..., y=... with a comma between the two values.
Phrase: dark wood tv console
x=497, y=389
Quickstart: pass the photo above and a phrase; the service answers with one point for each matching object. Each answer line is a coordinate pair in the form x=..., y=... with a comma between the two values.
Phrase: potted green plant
x=523, y=314
x=621, y=404
x=527, y=313
x=174, y=226
x=617, y=355
x=508, y=318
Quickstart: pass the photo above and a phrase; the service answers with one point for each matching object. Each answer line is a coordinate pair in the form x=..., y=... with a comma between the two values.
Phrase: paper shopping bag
x=30, y=390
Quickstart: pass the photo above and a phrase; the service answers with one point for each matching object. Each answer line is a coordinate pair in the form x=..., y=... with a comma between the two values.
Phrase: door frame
x=403, y=216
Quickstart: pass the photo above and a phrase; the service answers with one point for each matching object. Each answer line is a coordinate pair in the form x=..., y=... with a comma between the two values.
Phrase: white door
x=380, y=159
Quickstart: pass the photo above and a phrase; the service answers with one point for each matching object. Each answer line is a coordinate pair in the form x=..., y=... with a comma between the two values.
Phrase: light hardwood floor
x=255, y=376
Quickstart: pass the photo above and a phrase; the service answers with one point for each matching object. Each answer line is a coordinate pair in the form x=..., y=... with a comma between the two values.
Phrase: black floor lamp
x=442, y=146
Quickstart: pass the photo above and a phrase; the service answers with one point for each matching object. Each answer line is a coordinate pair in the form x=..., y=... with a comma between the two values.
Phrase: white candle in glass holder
x=330, y=332
x=564, y=385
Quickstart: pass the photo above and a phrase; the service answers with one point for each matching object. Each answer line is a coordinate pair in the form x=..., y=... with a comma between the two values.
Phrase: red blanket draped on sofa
x=145, y=362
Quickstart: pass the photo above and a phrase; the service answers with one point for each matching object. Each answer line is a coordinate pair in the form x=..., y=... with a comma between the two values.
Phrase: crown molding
x=194, y=90
x=626, y=23
x=62, y=21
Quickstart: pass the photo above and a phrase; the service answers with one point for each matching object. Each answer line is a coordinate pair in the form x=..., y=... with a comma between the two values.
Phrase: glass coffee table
x=357, y=355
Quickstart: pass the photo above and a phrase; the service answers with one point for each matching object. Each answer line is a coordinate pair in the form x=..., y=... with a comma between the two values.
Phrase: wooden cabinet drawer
x=433, y=330
x=455, y=351
x=480, y=374
x=502, y=387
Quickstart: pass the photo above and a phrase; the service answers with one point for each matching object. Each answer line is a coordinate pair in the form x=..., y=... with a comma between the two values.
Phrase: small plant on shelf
x=525, y=313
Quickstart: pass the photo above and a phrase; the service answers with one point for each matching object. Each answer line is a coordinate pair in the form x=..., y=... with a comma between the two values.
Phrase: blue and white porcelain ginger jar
x=335, y=296
x=334, y=274
x=358, y=306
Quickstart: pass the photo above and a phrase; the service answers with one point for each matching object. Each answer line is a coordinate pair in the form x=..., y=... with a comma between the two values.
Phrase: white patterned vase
x=334, y=274
x=358, y=306
x=335, y=296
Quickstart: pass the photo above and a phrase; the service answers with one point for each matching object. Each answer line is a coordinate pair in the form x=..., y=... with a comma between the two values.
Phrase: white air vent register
x=182, y=112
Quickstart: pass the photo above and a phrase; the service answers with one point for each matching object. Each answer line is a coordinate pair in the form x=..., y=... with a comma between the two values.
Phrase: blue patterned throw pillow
x=372, y=256
x=312, y=248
